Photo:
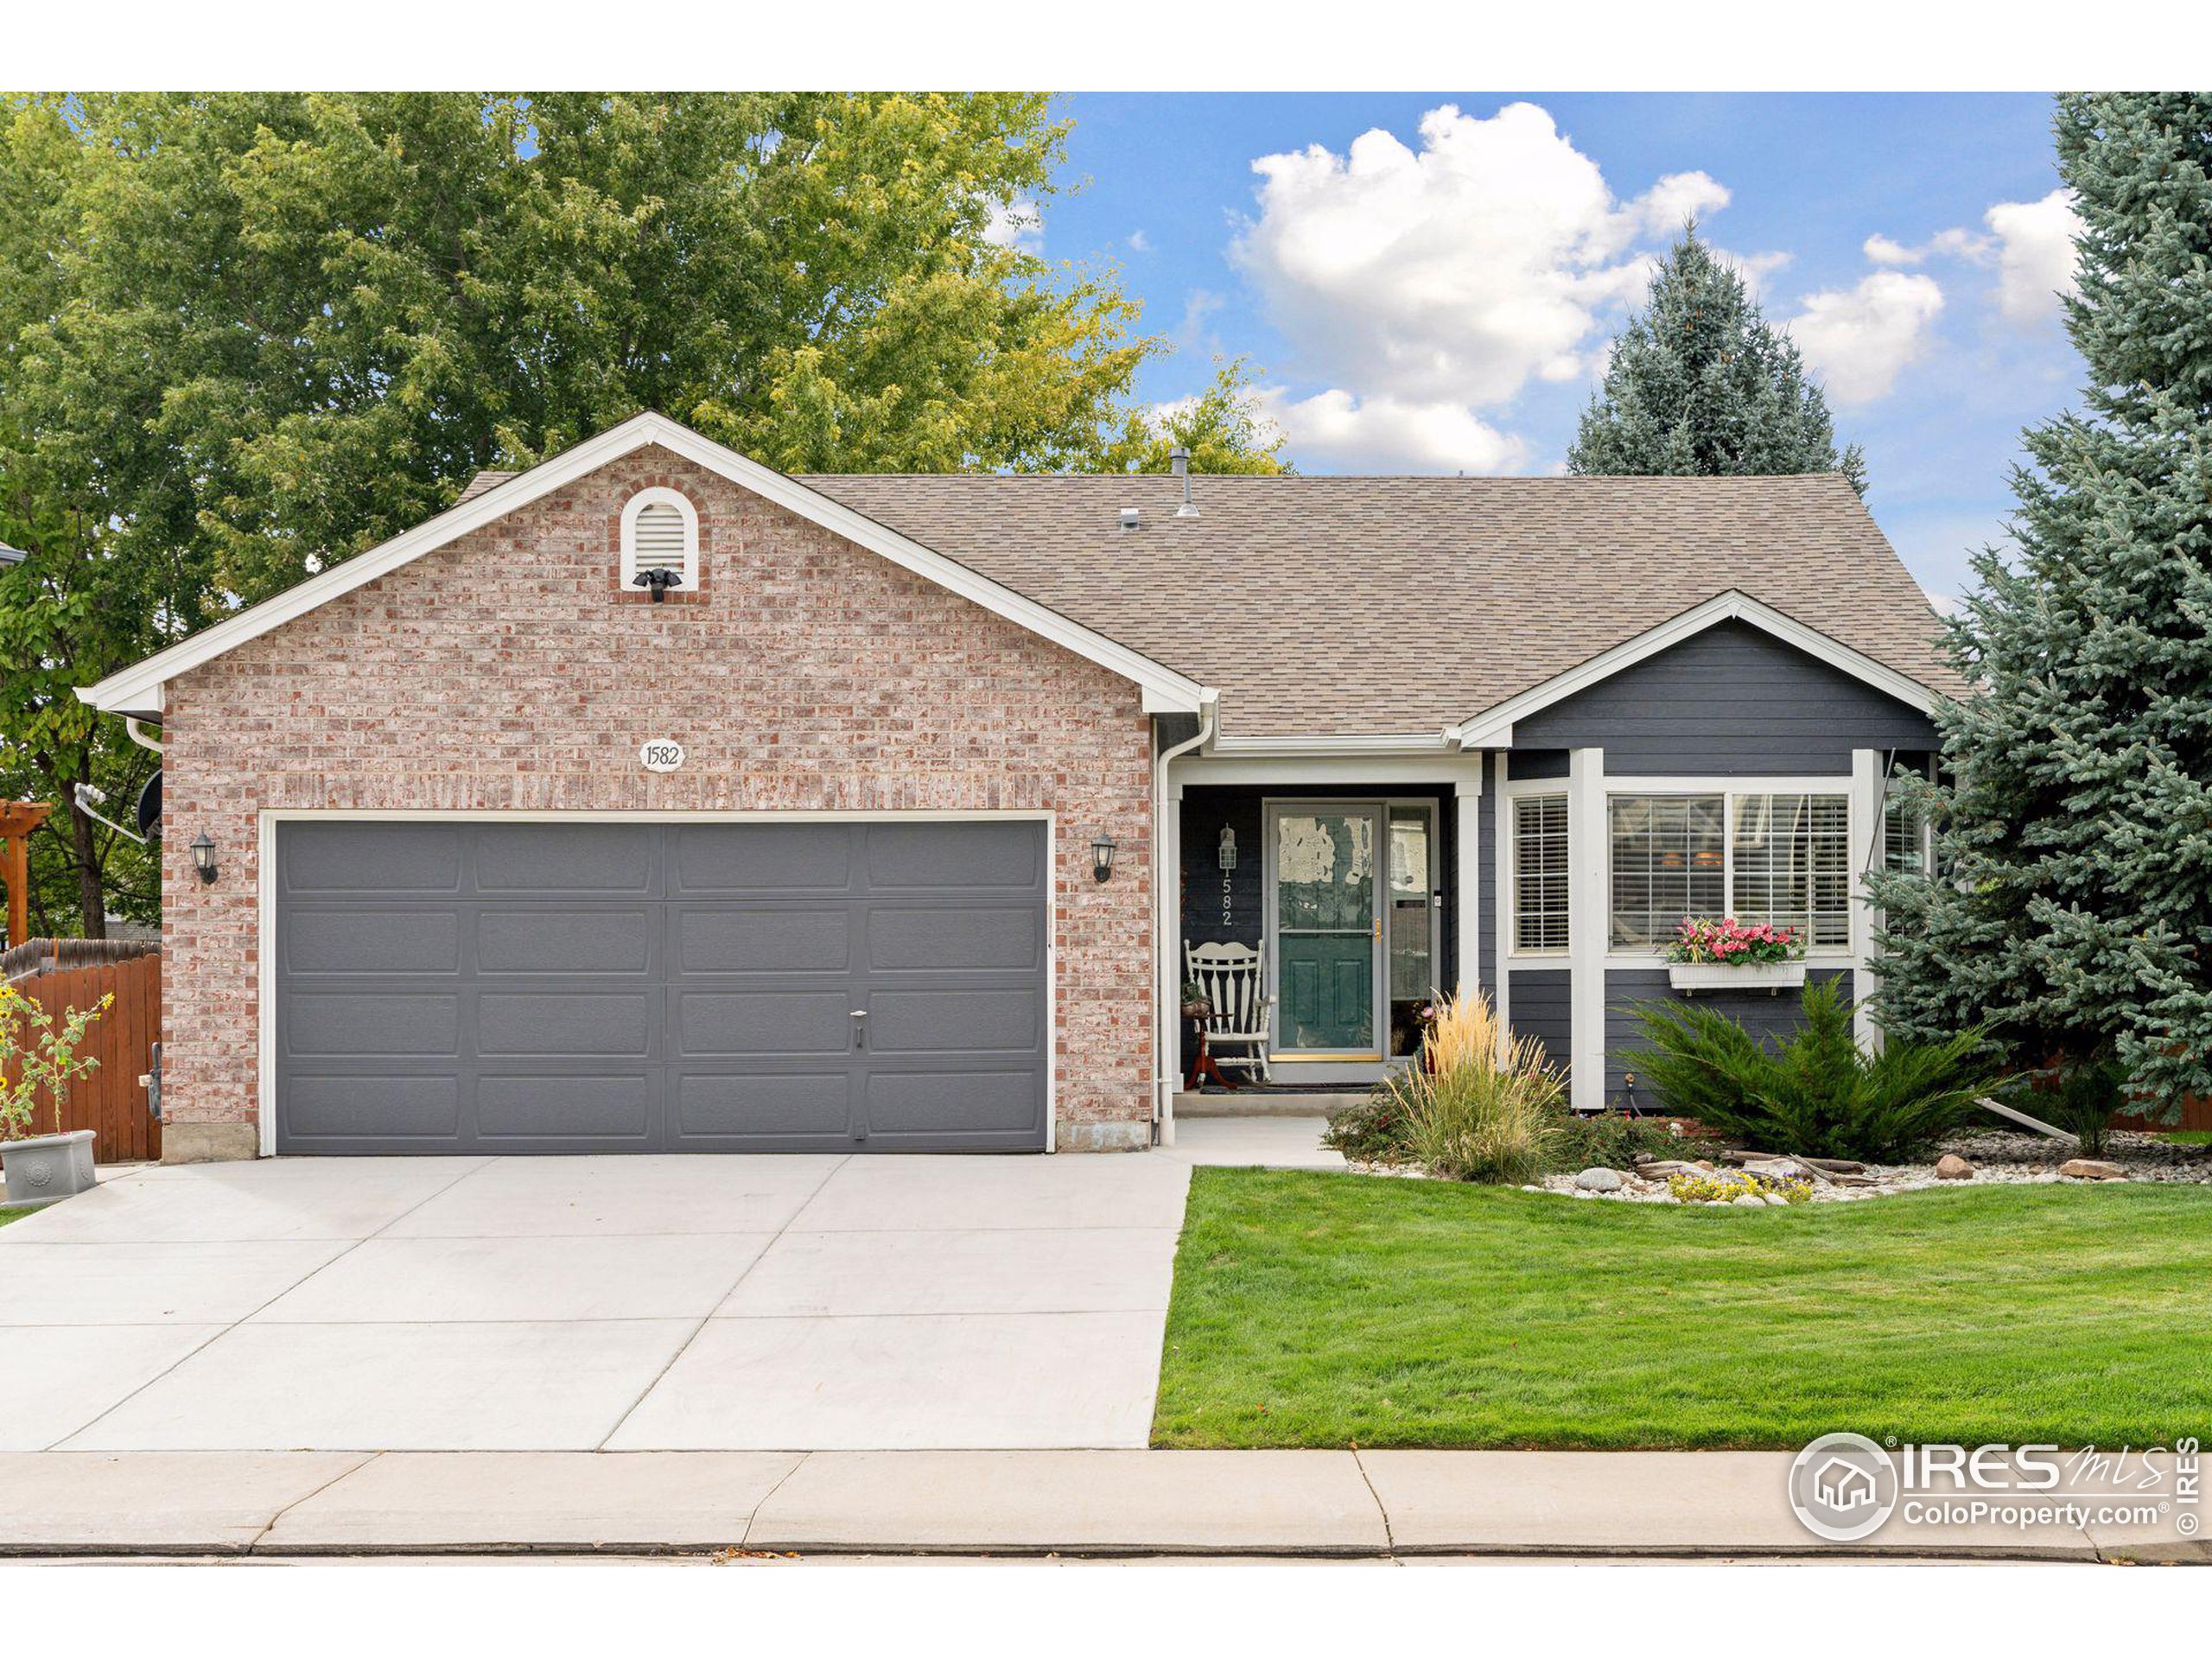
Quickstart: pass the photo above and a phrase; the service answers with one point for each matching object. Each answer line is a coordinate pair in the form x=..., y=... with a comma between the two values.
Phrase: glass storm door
x=1325, y=904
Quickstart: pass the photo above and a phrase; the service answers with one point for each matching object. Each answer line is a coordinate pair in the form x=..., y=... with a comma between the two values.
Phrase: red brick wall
x=502, y=671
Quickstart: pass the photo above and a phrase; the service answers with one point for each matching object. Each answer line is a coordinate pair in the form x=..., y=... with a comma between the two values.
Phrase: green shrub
x=1812, y=1092
x=1615, y=1139
x=2077, y=1096
x=1368, y=1131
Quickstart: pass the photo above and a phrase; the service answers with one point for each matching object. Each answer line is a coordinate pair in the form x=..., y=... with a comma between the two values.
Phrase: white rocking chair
x=1229, y=975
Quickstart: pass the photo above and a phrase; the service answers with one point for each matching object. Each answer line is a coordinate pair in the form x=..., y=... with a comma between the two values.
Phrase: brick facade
x=504, y=672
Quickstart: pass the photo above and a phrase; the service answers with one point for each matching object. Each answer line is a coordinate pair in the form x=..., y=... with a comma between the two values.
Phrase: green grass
x=7, y=1215
x=1319, y=1309
x=2187, y=1137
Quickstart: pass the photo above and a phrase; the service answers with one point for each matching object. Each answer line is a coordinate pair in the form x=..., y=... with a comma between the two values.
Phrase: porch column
x=1866, y=838
x=1586, y=925
x=1502, y=886
x=1467, y=867
x=1167, y=876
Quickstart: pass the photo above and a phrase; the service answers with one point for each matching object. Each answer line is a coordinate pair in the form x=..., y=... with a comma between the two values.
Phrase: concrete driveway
x=632, y=1303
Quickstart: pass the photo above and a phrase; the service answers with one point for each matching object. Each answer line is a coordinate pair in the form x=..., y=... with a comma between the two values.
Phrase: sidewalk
x=1243, y=1503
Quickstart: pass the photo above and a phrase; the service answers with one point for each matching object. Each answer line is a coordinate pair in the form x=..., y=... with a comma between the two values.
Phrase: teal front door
x=1326, y=924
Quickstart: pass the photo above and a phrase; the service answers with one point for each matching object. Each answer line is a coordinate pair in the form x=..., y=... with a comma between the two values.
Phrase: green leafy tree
x=1225, y=428
x=1700, y=383
x=245, y=335
x=2075, y=909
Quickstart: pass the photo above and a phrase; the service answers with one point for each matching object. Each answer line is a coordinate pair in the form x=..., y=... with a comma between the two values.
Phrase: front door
x=1326, y=920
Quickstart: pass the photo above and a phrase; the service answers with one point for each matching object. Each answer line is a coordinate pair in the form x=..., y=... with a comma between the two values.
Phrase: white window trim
x=1841, y=784
x=658, y=497
x=1511, y=792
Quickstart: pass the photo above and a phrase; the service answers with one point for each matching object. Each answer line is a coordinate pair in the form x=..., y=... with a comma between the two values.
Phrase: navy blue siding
x=1542, y=1007
x=1731, y=700
x=1760, y=1012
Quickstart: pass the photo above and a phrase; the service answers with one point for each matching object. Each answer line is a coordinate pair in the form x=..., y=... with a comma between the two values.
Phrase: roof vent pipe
x=1178, y=458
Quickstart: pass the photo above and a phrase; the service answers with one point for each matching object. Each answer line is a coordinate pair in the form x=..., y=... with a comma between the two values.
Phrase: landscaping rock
x=1752, y=1199
x=1598, y=1179
x=1951, y=1167
x=2092, y=1169
x=1852, y=1180
x=1777, y=1197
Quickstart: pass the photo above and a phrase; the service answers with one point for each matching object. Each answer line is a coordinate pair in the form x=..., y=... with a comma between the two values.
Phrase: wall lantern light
x=1101, y=856
x=203, y=855
x=1226, y=859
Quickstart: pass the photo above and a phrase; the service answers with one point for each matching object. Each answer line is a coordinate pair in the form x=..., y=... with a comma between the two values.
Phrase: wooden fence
x=109, y=1101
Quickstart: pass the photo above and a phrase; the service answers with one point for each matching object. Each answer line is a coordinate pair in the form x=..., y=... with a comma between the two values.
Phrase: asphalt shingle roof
x=1361, y=606
x=1372, y=606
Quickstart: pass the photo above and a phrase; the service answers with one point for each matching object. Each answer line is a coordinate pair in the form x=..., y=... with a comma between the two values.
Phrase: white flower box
x=1690, y=977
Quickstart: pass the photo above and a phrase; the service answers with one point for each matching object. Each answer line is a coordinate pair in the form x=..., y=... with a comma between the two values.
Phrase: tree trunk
x=91, y=899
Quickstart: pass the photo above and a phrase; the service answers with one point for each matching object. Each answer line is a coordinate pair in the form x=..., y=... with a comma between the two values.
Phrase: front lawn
x=1321, y=1309
x=15, y=1214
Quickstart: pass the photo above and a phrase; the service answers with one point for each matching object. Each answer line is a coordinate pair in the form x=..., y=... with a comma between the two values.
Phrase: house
x=851, y=835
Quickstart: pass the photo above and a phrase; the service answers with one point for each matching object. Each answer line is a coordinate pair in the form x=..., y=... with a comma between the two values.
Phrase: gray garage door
x=600, y=987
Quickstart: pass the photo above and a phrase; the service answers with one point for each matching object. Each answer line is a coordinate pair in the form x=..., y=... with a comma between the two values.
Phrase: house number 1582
x=661, y=754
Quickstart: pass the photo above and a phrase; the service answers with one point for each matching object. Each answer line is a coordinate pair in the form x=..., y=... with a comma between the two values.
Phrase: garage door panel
x=580, y=1023
x=382, y=860
x=615, y=939
x=757, y=1106
x=568, y=860
x=360, y=939
x=783, y=940
x=382, y=1023
x=902, y=936
x=373, y=1107
x=763, y=1023
x=529, y=987
x=955, y=1021
x=712, y=858
x=564, y=1106
x=916, y=1104
x=907, y=855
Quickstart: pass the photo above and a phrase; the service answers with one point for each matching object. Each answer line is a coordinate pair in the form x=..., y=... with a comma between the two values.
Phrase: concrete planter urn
x=1691, y=977
x=48, y=1167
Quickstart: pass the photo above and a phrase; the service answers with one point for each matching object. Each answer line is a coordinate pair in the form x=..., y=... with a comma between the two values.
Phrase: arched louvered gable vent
x=660, y=531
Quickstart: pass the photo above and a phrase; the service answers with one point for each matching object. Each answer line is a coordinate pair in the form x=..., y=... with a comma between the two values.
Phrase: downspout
x=1166, y=892
x=138, y=734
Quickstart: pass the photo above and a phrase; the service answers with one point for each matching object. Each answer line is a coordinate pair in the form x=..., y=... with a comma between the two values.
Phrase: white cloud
x=1386, y=433
x=1017, y=224
x=2035, y=255
x=1860, y=339
x=1140, y=243
x=1422, y=286
x=2030, y=242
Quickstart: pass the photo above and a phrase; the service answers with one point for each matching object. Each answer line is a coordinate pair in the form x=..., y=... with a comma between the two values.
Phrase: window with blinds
x=659, y=532
x=1784, y=859
x=1539, y=894
x=1669, y=860
x=1791, y=865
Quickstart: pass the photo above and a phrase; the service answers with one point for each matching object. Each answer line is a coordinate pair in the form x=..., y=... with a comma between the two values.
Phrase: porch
x=1342, y=881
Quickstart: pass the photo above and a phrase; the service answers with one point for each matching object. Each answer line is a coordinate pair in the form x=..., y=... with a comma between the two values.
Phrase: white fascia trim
x=1321, y=745
x=1493, y=728
x=138, y=687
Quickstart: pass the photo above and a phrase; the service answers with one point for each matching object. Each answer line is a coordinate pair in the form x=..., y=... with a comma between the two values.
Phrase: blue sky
x=1438, y=299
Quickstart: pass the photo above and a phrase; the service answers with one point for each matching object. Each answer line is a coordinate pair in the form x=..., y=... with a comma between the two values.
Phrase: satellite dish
x=150, y=804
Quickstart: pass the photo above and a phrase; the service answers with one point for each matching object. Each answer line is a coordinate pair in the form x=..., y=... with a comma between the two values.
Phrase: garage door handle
x=860, y=1028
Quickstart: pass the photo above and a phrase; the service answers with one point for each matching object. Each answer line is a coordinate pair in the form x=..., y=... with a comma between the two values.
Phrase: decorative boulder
x=2092, y=1169
x=1601, y=1179
x=1951, y=1167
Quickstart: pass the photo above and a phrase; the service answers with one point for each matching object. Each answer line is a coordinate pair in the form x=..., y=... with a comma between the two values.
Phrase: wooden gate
x=110, y=1101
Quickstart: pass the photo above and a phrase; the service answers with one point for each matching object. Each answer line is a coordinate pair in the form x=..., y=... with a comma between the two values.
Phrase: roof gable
x=1493, y=726
x=139, y=688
